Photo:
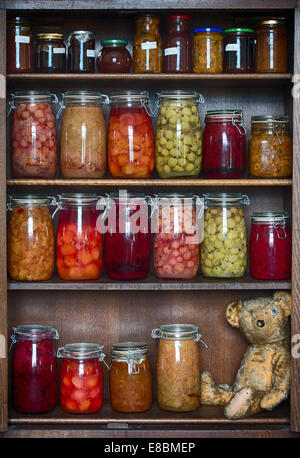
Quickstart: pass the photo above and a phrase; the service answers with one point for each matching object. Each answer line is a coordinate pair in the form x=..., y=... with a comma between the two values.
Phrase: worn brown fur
x=263, y=379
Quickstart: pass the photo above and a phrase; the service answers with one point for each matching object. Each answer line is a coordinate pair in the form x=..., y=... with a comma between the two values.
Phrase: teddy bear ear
x=285, y=301
x=232, y=313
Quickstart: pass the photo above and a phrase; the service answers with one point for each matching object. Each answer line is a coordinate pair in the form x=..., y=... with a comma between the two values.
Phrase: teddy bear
x=263, y=379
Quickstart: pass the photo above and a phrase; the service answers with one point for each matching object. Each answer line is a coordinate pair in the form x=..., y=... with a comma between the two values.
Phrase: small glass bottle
x=114, y=57
x=239, y=50
x=271, y=50
x=81, y=52
x=178, y=45
x=50, y=53
x=19, y=46
x=147, y=45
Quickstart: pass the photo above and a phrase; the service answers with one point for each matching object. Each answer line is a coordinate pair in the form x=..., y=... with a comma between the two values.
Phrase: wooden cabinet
x=106, y=311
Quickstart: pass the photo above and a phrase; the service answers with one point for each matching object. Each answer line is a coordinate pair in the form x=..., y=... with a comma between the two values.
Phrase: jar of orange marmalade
x=147, y=45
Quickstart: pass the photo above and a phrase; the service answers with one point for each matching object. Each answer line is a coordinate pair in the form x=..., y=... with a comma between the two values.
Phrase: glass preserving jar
x=83, y=135
x=127, y=242
x=81, y=377
x=178, y=134
x=130, y=135
x=270, y=246
x=271, y=49
x=30, y=234
x=224, y=247
x=33, y=135
x=224, y=144
x=19, y=46
x=130, y=381
x=50, y=53
x=147, y=45
x=114, y=57
x=34, y=369
x=178, y=45
x=81, y=52
x=78, y=241
x=239, y=50
x=208, y=50
x=270, y=147
x=178, y=367
x=176, y=237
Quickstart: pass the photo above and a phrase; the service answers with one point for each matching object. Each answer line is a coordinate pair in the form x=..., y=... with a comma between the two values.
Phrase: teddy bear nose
x=260, y=323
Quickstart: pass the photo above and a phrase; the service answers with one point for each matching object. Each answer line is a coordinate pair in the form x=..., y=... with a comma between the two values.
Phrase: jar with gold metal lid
x=50, y=53
x=271, y=47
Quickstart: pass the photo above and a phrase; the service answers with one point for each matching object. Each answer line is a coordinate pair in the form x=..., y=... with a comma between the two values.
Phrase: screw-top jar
x=50, y=53
x=271, y=50
x=34, y=370
x=81, y=377
x=270, y=246
x=147, y=45
x=81, y=52
x=239, y=50
x=224, y=144
x=208, y=50
x=178, y=45
x=130, y=380
x=19, y=46
x=114, y=57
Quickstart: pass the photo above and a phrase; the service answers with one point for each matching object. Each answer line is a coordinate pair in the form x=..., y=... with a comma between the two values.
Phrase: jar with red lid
x=33, y=134
x=130, y=135
x=178, y=45
x=34, y=369
x=78, y=241
x=81, y=377
x=127, y=237
x=270, y=246
x=19, y=46
x=224, y=144
x=114, y=57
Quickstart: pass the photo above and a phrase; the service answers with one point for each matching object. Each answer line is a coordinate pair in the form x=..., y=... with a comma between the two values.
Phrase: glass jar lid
x=50, y=36
x=272, y=22
x=126, y=351
x=220, y=115
x=269, y=118
x=238, y=30
x=29, y=199
x=81, y=351
x=180, y=95
x=115, y=43
x=269, y=217
x=207, y=29
x=35, y=96
x=34, y=332
x=225, y=199
x=129, y=97
x=82, y=97
x=77, y=199
x=82, y=35
x=176, y=331
x=18, y=20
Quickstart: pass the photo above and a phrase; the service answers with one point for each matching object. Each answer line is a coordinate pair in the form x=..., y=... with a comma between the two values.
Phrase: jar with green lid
x=114, y=57
x=224, y=247
x=239, y=45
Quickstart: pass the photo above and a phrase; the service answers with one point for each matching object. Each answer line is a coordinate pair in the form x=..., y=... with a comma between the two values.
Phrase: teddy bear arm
x=281, y=381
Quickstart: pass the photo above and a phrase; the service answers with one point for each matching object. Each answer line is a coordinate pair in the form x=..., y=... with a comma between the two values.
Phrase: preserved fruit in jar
x=271, y=50
x=130, y=136
x=81, y=377
x=19, y=46
x=178, y=367
x=126, y=244
x=114, y=57
x=81, y=52
x=224, y=247
x=78, y=242
x=270, y=147
x=178, y=135
x=130, y=381
x=30, y=244
x=208, y=50
x=239, y=50
x=175, y=240
x=147, y=46
x=83, y=135
x=50, y=53
x=270, y=246
x=224, y=144
x=178, y=45
x=34, y=370
x=33, y=135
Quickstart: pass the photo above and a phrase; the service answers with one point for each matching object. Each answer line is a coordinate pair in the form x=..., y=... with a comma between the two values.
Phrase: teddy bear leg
x=212, y=394
x=241, y=405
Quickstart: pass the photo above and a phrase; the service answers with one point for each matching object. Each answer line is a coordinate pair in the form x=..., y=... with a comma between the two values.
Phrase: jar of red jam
x=34, y=370
x=78, y=241
x=19, y=46
x=178, y=45
x=114, y=57
x=127, y=237
x=81, y=377
x=224, y=144
x=270, y=246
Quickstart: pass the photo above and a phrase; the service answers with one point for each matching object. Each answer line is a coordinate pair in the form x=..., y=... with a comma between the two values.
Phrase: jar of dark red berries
x=224, y=144
x=34, y=370
x=270, y=246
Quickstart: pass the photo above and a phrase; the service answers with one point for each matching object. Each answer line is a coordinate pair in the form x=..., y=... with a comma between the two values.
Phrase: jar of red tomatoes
x=130, y=135
x=176, y=236
x=33, y=134
x=34, y=370
x=224, y=144
x=127, y=237
x=270, y=246
x=78, y=242
x=81, y=377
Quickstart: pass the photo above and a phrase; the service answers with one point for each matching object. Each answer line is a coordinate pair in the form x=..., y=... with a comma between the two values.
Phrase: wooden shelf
x=151, y=284
x=154, y=416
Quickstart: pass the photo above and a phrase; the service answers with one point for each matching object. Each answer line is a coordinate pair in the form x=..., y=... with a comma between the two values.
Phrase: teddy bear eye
x=273, y=312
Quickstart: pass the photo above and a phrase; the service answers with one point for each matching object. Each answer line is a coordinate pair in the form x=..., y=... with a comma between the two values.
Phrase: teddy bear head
x=262, y=320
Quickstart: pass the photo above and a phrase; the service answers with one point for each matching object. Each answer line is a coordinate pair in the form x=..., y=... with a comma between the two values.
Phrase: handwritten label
x=59, y=50
x=149, y=45
x=171, y=51
x=22, y=39
x=232, y=47
x=91, y=53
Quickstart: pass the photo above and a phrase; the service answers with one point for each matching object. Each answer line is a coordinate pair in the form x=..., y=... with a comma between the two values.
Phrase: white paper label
x=232, y=47
x=171, y=51
x=91, y=53
x=149, y=45
x=22, y=39
x=59, y=51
